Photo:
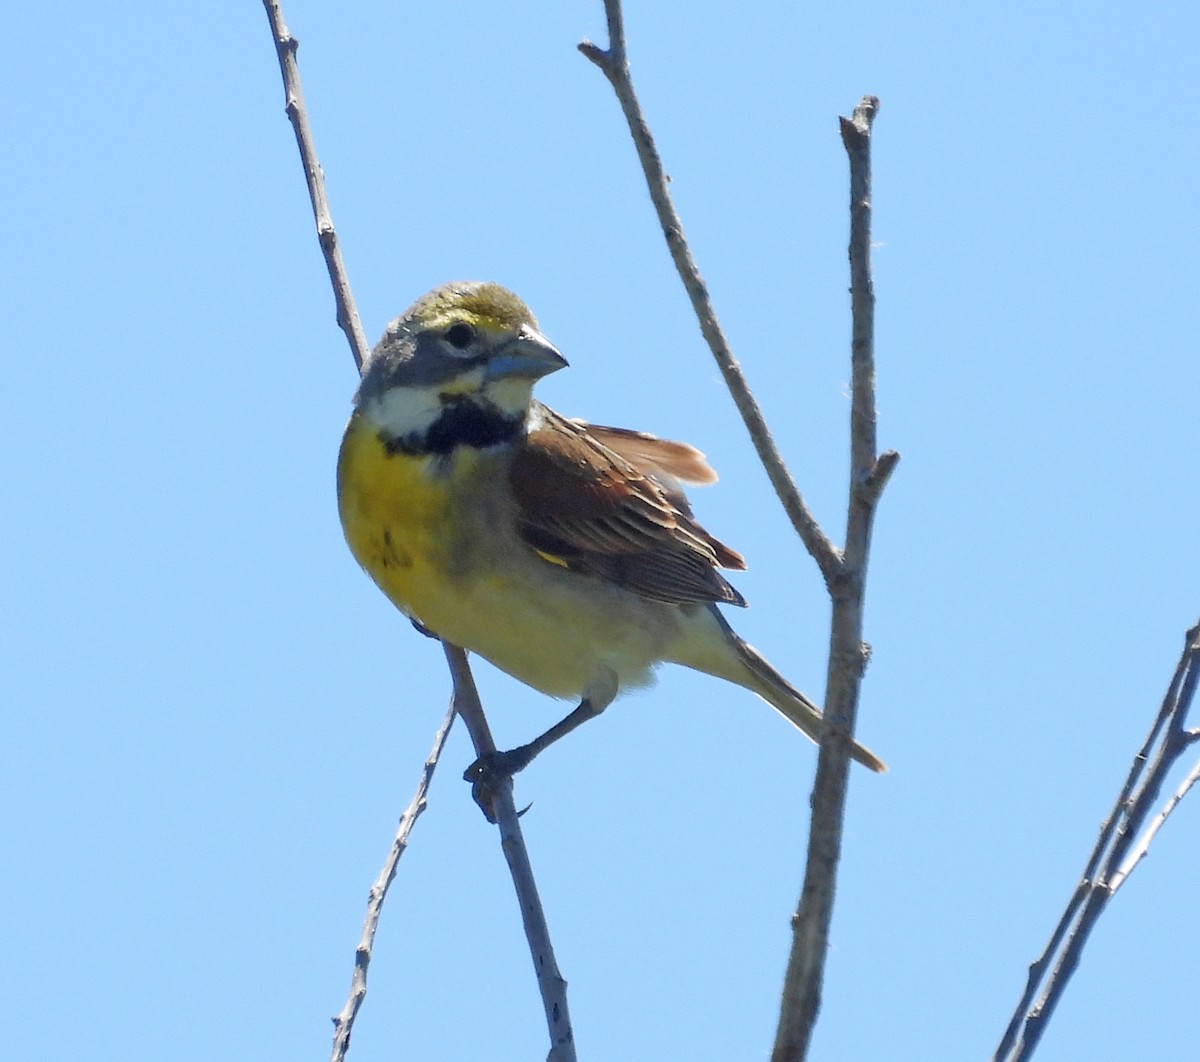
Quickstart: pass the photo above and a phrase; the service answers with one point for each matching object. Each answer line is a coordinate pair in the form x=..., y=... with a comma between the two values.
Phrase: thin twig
x=347, y=313
x=343, y=1024
x=614, y=65
x=503, y=811
x=466, y=698
x=1042, y=965
x=801, y=997
x=1124, y=840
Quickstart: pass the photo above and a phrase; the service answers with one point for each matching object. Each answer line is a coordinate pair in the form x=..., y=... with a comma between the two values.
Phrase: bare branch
x=343, y=1024
x=466, y=698
x=1142, y=847
x=1124, y=840
x=856, y=136
x=347, y=313
x=503, y=811
x=871, y=486
x=844, y=572
x=1041, y=966
x=614, y=65
x=801, y=997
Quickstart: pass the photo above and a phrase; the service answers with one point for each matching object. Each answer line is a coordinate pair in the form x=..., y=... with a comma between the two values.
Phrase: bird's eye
x=460, y=335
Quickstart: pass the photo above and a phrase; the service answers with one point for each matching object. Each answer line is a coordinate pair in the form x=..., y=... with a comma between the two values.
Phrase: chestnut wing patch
x=600, y=514
x=678, y=460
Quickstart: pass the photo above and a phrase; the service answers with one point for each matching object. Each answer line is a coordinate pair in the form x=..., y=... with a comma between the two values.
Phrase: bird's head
x=458, y=366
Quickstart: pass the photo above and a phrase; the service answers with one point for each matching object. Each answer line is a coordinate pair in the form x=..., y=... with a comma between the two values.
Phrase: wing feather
x=607, y=503
x=684, y=462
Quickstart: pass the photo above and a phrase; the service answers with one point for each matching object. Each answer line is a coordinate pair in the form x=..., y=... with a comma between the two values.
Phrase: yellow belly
x=435, y=536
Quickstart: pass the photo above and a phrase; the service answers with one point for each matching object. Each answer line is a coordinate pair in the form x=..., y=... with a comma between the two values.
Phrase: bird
x=563, y=552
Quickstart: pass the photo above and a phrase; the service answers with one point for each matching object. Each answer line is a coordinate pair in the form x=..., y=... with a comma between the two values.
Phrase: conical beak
x=530, y=355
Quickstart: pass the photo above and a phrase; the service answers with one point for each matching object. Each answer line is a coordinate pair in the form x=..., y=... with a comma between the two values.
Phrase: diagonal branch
x=1040, y=967
x=1141, y=849
x=343, y=1024
x=614, y=65
x=286, y=47
x=466, y=698
x=502, y=810
x=1124, y=840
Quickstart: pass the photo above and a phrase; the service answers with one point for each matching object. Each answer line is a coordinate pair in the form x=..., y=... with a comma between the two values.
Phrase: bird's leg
x=492, y=766
x=497, y=764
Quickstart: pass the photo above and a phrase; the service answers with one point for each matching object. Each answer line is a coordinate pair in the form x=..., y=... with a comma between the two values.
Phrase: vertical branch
x=466, y=697
x=801, y=996
x=856, y=136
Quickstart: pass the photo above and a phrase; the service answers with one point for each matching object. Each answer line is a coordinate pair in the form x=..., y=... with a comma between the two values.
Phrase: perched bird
x=563, y=552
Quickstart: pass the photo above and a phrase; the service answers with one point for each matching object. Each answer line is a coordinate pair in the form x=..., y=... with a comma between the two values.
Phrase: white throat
x=404, y=411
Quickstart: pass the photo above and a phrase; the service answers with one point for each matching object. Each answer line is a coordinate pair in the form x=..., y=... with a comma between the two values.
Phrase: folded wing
x=606, y=502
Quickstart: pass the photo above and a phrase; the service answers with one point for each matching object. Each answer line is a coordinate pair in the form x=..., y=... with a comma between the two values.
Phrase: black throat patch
x=461, y=423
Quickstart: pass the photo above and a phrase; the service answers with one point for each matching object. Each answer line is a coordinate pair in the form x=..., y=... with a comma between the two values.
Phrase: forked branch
x=844, y=570
x=801, y=997
x=1125, y=837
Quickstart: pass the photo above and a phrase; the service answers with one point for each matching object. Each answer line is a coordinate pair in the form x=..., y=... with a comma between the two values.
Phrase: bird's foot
x=493, y=769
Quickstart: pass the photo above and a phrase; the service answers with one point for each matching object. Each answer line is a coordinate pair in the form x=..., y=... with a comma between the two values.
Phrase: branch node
x=593, y=52
x=877, y=478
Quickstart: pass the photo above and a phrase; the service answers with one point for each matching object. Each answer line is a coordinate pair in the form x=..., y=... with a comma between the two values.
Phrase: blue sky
x=212, y=718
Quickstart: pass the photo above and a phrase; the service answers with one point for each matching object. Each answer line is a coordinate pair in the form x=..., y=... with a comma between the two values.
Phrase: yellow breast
x=398, y=518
